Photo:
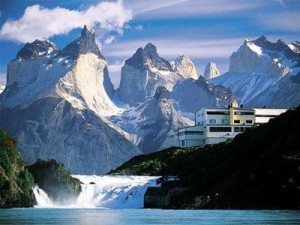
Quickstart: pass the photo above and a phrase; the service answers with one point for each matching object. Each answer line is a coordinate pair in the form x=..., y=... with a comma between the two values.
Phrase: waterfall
x=105, y=191
x=41, y=197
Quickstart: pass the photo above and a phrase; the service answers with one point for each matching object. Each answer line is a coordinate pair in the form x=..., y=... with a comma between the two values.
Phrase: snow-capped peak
x=147, y=57
x=36, y=49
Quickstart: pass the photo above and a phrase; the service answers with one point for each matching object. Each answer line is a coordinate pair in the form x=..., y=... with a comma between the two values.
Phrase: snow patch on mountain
x=2, y=88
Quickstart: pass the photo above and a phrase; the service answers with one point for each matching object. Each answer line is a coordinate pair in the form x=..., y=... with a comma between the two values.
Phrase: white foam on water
x=105, y=191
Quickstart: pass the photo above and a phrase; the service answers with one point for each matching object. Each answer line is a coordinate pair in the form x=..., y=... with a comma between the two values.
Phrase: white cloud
x=41, y=23
x=183, y=8
x=115, y=72
x=109, y=39
x=114, y=68
x=139, y=27
x=195, y=48
x=283, y=21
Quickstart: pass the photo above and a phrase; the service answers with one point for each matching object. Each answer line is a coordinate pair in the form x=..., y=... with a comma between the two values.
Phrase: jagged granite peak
x=86, y=43
x=264, y=43
x=36, y=49
x=277, y=49
x=211, y=71
x=184, y=66
x=143, y=73
x=264, y=73
x=263, y=57
x=147, y=57
x=151, y=51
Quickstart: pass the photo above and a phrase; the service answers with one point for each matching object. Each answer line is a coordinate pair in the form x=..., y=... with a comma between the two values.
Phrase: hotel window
x=183, y=143
x=212, y=121
x=243, y=113
x=248, y=121
x=225, y=121
x=237, y=121
x=220, y=129
x=239, y=129
x=217, y=112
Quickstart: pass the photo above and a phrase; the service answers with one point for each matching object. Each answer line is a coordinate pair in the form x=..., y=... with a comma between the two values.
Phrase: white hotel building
x=214, y=125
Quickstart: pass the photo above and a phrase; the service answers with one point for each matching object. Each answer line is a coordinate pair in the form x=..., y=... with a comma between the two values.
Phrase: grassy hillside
x=258, y=169
x=15, y=180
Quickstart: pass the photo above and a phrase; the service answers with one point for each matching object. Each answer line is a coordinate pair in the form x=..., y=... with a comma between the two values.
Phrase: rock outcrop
x=184, y=66
x=56, y=181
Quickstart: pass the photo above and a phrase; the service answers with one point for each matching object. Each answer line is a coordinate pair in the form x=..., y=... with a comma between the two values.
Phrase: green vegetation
x=56, y=181
x=15, y=180
x=258, y=169
x=166, y=162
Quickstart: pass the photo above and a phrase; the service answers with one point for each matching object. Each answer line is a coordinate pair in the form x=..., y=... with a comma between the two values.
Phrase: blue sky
x=204, y=30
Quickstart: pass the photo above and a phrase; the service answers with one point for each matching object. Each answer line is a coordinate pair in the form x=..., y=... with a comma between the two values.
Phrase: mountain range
x=61, y=104
x=262, y=73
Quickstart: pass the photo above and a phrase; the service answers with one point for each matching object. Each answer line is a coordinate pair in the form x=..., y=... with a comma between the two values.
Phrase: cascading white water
x=106, y=192
x=41, y=197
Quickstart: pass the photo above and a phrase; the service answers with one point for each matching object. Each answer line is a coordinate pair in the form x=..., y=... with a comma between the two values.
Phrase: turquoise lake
x=146, y=216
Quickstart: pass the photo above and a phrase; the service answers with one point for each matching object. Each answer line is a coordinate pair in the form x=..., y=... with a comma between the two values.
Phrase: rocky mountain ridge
x=264, y=73
x=59, y=106
x=64, y=105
